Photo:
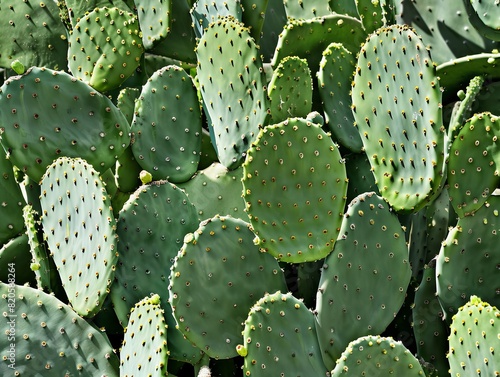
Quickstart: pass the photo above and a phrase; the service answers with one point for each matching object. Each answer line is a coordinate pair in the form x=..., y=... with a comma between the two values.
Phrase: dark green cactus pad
x=126, y=102
x=474, y=340
x=359, y=175
x=298, y=9
x=468, y=261
x=216, y=190
x=445, y=28
x=105, y=48
x=204, y=12
x=309, y=38
x=33, y=34
x=50, y=338
x=77, y=9
x=278, y=319
x=364, y=280
x=440, y=217
x=400, y=122
x=274, y=22
x=41, y=264
x=144, y=350
x=45, y=114
x=431, y=332
x=335, y=75
x=231, y=82
x=377, y=356
x=208, y=153
x=154, y=20
x=290, y=89
x=473, y=164
x=79, y=227
x=11, y=201
x=371, y=14
x=217, y=276
x=294, y=186
x=484, y=15
x=151, y=228
x=347, y=7
x=167, y=126
x=253, y=16
x=15, y=256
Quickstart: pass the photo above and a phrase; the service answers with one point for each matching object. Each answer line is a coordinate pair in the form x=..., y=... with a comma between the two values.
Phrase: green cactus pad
x=50, y=339
x=151, y=227
x=294, y=186
x=431, y=332
x=167, y=126
x=473, y=164
x=154, y=19
x=144, y=349
x=299, y=9
x=79, y=227
x=484, y=15
x=78, y=9
x=468, y=261
x=216, y=190
x=309, y=38
x=364, y=280
x=11, y=201
x=474, y=340
x=254, y=12
x=15, y=261
x=371, y=14
x=400, y=121
x=377, y=356
x=105, y=48
x=32, y=33
x=275, y=320
x=45, y=114
x=231, y=82
x=335, y=75
x=359, y=174
x=290, y=89
x=205, y=12
x=216, y=278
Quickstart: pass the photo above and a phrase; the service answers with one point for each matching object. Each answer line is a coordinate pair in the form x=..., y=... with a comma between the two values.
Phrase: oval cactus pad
x=295, y=184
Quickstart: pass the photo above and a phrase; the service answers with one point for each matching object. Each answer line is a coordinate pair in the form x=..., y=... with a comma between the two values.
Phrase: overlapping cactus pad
x=294, y=185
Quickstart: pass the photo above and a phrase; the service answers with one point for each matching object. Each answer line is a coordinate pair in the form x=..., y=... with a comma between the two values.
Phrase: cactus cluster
x=249, y=188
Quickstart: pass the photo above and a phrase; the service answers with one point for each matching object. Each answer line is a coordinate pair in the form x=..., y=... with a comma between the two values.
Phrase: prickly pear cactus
x=294, y=186
x=79, y=227
x=232, y=86
x=49, y=338
x=45, y=114
x=274, y=320
x=485, y=16
x=205, y=12
x=154, y=19
x=298, y=9
x=335, y=75
x=167, y=126
x=400, y=121
x=216, y=278
x=377, y=356
x=468, y=261
x=363, y=281
x=290, y=89
x=144, y=349
x=474, y=340
x=105, y=47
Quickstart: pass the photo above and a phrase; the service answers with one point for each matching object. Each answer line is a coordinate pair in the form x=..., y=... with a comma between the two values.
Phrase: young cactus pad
x=79, y=227
x=377, y=356
x=49, y=338
x=294, y=186
x=45, y=114
x=364, y=280
x=231, y=81
x=474, y=340
x=105, y=48
x=274, y=321
x=144, y=350
x=216, y=278
x=400, y=120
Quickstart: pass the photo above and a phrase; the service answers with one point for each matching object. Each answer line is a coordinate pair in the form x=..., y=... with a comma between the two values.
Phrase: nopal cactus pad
x=105, y=48
x=278, y=319
x=216, y=278
x=400, y=121
x=294, y=186
x=231, y=80
x=50, y=338
x=79, y=227
x=45, y=114
x=144, y=349
x=474, y=340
